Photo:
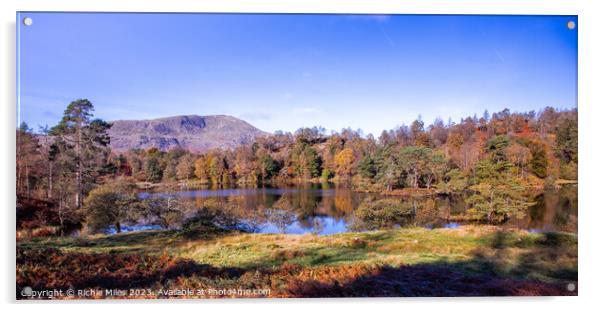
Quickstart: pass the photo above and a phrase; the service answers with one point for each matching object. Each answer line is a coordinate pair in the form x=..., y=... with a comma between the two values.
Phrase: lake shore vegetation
x=498, y=159
x=70, y=181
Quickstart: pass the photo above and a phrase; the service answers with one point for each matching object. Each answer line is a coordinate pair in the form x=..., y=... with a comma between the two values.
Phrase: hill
x=192, y=132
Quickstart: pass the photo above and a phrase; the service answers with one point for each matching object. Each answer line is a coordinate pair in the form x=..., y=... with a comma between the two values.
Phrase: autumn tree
x=520, y=156
x=166, y=211
x=217, y=169
x=344, y=162
x=201, y=168
x=85, y=140
x=28, y=159
x=306, y=161
x=110, y=204
x=185, y=167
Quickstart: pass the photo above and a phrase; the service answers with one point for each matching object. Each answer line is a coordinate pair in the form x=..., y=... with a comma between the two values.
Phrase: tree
x=520, y=156
x=245, y=164
x=497, y=147
x=49, y=150
x=344, y=161
x=497, y=195
x=110, y=205
x=539, y=159
x=28, y=158
x=217, y=169
x=267, y=166
x=566, y=140
x=454, y=181
x=185, y=168
x=413, y=161
x=306, y=162
x=435, y=167
x=200, y=168
x=154, y=171
x=388, y=168
x=367, y=167
x=166, y=211
x=85, y=140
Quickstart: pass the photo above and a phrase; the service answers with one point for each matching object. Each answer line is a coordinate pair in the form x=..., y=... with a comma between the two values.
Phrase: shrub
x=375, y=214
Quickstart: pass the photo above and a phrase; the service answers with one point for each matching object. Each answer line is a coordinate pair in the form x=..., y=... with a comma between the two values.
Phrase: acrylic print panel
x=295, y=155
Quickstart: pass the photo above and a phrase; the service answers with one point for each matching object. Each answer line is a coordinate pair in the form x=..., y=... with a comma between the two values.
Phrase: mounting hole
x=571, y=287
x=571, y=25
x=27, y=21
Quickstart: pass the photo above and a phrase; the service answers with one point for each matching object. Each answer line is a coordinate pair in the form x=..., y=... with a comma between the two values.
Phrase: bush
x=568, y=171
x=109, y=205
x=207, y=220
x=383, y=213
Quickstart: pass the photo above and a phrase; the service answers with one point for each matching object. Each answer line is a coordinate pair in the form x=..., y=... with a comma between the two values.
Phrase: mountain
x=192, y=132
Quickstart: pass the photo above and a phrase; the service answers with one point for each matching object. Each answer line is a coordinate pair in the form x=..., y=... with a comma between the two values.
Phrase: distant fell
x=192, y=132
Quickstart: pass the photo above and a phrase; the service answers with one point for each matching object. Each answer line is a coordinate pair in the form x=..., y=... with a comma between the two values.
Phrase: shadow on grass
x=151, y=240
x=541, y=266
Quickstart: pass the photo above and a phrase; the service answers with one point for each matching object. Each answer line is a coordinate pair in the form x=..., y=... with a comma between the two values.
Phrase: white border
x=590, y=115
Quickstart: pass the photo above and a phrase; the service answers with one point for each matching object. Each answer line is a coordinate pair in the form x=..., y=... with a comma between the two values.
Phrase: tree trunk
x=78, y=174
x=61, y=218
x=49, y=179
x=27, y=189
x=415, y=179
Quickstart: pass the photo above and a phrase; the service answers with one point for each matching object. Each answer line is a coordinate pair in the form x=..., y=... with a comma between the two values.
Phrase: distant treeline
x=496, y=156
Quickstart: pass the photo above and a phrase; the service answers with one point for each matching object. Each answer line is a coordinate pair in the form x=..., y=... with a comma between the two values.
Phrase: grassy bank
x=472, y=261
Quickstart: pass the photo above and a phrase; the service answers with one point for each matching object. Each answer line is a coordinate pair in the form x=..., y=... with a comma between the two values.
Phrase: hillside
x=192, y=132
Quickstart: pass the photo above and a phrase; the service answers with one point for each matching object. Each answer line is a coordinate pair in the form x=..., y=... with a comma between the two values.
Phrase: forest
x=70, y=169
x=74, y=195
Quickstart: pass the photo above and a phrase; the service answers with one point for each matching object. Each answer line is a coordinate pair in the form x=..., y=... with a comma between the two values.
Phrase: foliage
x=153, y=170
x=62, y=164
x=110, y=205
x=376, y=214
x=497, y=195
x=344, y=161
x=166, y=211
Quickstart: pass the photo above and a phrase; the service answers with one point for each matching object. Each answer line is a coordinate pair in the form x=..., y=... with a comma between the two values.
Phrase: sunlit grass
x=509, y=249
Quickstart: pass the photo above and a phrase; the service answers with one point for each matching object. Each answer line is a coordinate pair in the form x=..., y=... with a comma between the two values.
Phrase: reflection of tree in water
x=343, y=202
x=373, y=214
x=537, y=211
x=282, y=219
x=553, y=210
x=426, y=212
x=317, y=226
x=301, y=207
x=306, y=201
x=565, y=217
x=314, y=209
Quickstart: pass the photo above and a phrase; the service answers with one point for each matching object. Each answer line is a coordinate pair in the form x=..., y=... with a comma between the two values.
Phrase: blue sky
x=283, y=72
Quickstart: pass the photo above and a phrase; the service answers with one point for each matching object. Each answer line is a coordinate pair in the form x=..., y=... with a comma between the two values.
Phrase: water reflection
x=327, y=209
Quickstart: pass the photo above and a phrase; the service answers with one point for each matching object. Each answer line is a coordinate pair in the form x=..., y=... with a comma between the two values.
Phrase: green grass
x=546, y=257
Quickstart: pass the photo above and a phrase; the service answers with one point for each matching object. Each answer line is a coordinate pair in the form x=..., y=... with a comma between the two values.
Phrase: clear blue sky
x=282, y=72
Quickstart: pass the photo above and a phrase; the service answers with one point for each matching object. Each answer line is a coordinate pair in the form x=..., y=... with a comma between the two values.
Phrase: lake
x=327, y=209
